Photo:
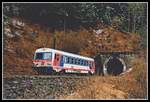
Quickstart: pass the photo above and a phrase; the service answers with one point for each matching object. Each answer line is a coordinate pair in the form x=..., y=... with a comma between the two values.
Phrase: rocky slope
x=38, y=87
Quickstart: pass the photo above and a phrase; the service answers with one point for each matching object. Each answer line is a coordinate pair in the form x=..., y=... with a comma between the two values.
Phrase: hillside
x=19, y=49
x=22, y=38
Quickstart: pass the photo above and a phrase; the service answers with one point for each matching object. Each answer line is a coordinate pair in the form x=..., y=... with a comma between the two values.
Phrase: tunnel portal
x=114, y=66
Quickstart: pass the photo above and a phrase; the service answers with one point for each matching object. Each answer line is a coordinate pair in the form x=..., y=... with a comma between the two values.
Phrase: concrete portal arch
x=114, y=65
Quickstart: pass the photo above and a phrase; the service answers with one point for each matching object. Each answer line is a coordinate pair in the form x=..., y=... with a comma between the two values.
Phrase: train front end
x=42, y=62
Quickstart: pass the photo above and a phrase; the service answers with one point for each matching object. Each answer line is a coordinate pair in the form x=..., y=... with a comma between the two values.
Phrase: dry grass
x=132, y=85
x=96, y=88
x=139, y=73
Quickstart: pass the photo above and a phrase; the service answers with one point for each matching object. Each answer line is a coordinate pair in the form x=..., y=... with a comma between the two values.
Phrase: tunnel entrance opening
x=114, y=66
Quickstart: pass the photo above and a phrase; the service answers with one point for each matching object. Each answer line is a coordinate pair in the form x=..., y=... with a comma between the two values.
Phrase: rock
x=18, y=33
x=26, y=87
x=15, y=82
x=50, y=97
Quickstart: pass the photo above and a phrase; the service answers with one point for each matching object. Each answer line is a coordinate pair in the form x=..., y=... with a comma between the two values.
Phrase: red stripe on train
x=72, y=69
x=42, y=61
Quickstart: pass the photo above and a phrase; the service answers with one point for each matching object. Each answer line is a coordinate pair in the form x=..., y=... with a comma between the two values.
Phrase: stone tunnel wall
x=109, y=64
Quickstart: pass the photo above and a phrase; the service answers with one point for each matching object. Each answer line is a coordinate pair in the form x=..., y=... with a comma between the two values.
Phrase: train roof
x=62, y=52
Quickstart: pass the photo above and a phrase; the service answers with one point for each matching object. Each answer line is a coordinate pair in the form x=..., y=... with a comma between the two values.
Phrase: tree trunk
x=54, y=42
x=128, y=22
x=134, y=23
x=131, y=22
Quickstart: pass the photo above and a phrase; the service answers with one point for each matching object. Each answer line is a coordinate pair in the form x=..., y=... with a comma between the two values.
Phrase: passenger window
x=90, y=64
x=71, y=60
x=65, y=59
x=81, y=62
x=76, y=61
x=86, y=63
x=68, y=60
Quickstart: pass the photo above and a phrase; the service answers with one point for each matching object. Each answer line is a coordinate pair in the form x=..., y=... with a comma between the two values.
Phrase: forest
x=127, y=17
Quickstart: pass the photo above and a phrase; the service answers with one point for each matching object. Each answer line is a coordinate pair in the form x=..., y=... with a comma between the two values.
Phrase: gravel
x=36, y=87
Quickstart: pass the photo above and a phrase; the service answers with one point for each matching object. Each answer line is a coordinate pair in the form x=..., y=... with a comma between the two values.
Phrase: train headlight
x=48, y=63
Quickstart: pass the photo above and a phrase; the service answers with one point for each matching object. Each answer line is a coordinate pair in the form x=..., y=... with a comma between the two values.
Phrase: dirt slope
x=22, y=38
x=131, y=85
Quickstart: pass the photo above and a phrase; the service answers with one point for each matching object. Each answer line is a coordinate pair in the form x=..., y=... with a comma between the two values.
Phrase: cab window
x=39, y=56
x=48, y=56
x=45, y=55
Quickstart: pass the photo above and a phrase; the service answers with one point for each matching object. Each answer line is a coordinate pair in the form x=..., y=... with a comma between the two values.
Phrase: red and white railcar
x=47, y=60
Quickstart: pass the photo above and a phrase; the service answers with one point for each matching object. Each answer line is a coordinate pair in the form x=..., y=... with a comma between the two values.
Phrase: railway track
x=48, y=76
x=39, y=86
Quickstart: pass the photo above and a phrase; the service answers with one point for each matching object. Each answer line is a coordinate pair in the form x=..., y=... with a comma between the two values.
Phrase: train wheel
x=54, y=72
x=62, y=72
x=89, y=73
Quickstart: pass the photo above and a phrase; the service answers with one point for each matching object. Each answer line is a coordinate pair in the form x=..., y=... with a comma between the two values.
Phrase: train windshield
x=43, y=55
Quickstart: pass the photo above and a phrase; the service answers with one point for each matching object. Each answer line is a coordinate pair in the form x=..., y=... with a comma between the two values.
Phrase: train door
x=90, y=65
x=57, y=59
x=62, y=61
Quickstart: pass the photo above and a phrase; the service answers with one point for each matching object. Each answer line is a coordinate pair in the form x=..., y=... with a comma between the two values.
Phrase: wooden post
x=54, y=42
x=54, y=39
